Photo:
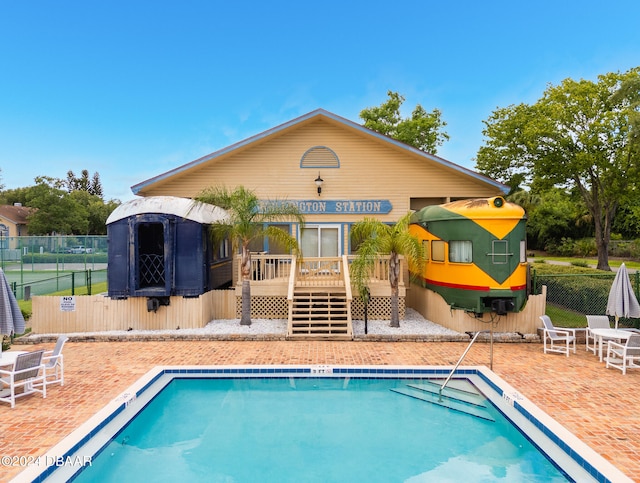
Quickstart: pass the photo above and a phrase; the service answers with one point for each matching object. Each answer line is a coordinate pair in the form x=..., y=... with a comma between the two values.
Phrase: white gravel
x=412, y=324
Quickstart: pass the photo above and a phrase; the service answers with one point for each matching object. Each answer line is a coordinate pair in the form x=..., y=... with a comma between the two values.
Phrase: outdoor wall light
x=319, y=182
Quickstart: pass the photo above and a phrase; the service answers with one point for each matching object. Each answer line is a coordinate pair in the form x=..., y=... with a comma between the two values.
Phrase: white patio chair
x=54, y=362
x=27, y=371
x=596, y=322
x=557, y=339
x=623, y=356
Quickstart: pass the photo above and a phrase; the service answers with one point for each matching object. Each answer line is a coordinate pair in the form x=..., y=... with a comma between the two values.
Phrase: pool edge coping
x=575, y=447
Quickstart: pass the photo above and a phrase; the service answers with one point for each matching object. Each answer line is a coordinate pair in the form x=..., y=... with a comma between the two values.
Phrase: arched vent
x=319, y=157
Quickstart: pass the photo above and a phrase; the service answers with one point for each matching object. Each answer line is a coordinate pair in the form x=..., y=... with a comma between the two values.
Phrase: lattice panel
x=151, y=270
x=379, y=308
x=265, y=307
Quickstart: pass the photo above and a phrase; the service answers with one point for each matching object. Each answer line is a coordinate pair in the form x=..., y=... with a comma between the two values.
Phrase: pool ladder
x=464, y=398
x=446, y=381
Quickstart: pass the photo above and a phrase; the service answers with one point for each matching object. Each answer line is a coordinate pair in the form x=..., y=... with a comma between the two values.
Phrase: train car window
x=437, y=250
x=425, y=248
x=523, y=251
x=223, y=250
x=460, y=251
x=499, y=252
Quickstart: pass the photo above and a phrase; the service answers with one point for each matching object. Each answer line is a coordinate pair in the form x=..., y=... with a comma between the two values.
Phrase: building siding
x=370, y=169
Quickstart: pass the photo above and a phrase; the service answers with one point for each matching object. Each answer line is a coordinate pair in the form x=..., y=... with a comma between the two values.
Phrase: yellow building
x=13, y=220
x=335, y=170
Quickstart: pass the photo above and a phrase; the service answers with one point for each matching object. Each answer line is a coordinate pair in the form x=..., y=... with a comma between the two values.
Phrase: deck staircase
x=320, y=305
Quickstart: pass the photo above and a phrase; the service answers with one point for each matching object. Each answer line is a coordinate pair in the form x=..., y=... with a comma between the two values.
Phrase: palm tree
x=248, y=220
x=377, y=239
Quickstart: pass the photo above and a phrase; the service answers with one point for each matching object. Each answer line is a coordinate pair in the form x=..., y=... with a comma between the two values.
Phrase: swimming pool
x=489, y=455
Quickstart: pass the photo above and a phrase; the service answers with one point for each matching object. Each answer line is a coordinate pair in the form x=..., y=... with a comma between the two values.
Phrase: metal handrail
x=446, y=381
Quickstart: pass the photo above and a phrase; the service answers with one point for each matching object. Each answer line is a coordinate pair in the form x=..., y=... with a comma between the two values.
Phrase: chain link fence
x=570, y=297
x=40, y=265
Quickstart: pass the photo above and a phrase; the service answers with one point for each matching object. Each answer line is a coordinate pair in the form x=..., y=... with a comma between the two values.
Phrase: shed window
x=319, y=157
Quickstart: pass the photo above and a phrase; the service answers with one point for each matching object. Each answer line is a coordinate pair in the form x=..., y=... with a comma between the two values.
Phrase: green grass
x=588, y=261
x=565, y=318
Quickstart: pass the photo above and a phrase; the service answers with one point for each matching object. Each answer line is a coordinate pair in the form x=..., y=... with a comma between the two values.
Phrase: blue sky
x=132, y=89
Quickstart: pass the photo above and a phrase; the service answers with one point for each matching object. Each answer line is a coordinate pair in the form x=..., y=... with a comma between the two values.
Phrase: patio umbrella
x=11, y=319
x=622, y=301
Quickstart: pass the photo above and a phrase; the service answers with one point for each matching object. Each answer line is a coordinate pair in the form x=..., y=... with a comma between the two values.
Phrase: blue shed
x=159, y=246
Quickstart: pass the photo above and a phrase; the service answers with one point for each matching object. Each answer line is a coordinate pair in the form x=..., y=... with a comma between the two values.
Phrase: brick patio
x=600, y=406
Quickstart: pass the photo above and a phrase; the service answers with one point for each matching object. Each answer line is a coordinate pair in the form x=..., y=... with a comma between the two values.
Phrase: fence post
x=534, y=282
x=89, y=282
x=73, y=283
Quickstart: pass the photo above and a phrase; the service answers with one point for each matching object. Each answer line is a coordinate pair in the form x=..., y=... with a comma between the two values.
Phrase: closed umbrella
x=11, y=319
x=622, y=301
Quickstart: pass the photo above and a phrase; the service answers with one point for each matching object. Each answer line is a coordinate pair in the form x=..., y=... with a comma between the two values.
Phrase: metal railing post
x=446, y=381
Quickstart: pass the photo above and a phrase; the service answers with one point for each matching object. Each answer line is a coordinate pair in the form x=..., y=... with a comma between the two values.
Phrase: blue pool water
x=313, y=430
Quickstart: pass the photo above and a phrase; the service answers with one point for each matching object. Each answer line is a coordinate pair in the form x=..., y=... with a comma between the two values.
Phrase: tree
x=249, y=219
x=59, y=211
x=83, y=183
x=422, y=130
x=97, y=210
x=376, y=238
x=56, y=211
x=629, y=92
x=576, y=137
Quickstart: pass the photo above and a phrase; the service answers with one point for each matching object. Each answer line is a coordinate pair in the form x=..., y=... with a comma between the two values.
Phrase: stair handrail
x=292, y=278
x=347, y=277
x=446, y=381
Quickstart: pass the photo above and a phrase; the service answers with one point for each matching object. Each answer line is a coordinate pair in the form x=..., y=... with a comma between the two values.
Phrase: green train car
x=475, y=254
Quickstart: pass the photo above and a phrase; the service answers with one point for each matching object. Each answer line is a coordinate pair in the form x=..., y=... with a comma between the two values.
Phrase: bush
x=65, y=258
x=576, y=289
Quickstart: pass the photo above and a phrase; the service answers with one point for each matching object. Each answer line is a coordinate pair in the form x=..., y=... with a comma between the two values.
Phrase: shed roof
x=169, y=205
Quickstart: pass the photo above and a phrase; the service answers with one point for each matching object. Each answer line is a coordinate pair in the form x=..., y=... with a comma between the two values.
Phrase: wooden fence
x=96, y=313
x=433, y=307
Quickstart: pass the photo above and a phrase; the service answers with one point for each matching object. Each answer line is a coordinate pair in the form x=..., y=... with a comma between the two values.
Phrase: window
x=523, y=251
x=460, y=251
x=274, y=247
x=425, y=247
x=499, y=252
x=437, y=250
x=151, y=266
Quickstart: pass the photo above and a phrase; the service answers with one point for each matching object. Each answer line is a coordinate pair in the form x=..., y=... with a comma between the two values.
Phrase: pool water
x=313, y=430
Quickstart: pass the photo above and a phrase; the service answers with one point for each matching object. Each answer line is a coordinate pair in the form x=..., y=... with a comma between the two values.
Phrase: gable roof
x=16, y=214
x=299, y=121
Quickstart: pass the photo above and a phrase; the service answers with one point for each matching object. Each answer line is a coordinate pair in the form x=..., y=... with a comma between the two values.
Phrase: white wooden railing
x=315, y=271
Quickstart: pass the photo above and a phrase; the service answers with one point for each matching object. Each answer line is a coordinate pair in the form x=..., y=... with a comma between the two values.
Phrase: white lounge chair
x=27, y=371
x=596, y=322
x=54, y=362
x=557, y=339
x=623, y=356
